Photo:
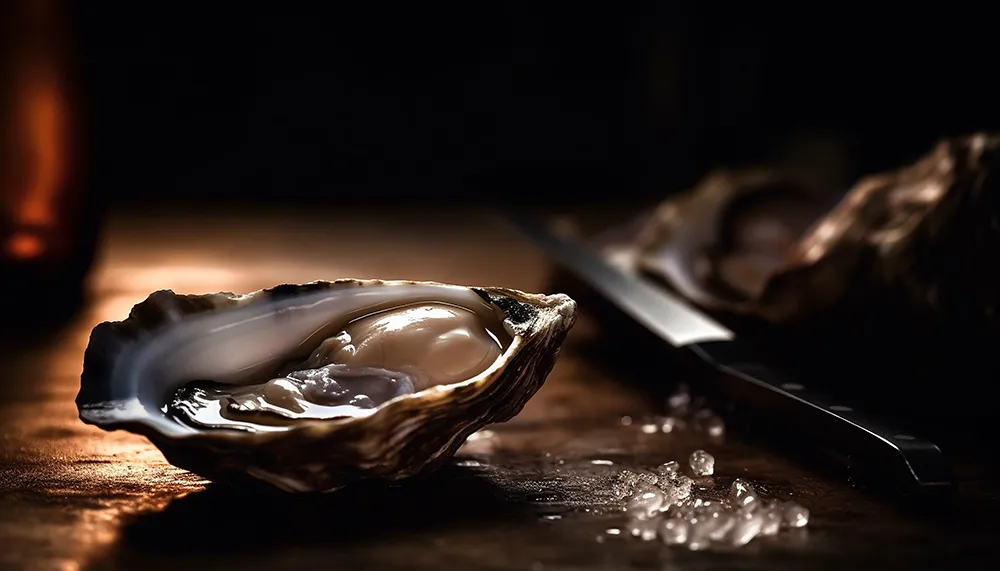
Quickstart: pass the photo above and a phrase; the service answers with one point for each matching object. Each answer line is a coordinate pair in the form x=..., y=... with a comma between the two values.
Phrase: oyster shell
x=720, y=244
x=310, y=387
x=761, y=243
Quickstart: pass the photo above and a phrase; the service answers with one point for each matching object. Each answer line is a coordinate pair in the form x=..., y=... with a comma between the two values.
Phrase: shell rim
x=314, y=428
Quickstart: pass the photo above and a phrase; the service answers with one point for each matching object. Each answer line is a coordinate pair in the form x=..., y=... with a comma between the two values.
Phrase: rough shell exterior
x=924, y=237
x=406, y=436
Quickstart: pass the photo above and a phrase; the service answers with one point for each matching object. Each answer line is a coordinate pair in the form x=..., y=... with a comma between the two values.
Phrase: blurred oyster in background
x=764, y=243
x=720, y=244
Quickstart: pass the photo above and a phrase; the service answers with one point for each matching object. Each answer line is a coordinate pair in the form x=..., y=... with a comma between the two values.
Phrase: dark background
x=428, y=101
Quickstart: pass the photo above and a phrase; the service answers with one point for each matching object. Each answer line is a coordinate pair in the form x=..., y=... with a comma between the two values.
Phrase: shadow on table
x=223, y=521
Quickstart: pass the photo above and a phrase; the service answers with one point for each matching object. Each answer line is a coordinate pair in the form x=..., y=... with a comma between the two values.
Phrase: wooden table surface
x=74, y=497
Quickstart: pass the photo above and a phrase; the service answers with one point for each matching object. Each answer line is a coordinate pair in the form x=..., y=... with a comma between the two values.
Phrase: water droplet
x=552, y=517
x=613, y=531
x=599, y=462
x=650, y=428
x=702, y=463
x=626, y=421
x=468, y=464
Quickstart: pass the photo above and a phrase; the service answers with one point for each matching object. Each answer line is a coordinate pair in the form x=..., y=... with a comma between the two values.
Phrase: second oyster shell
x=922, y=237
x=134, y=368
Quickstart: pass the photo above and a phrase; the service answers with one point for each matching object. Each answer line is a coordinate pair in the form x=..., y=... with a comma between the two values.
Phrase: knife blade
x=895, y=455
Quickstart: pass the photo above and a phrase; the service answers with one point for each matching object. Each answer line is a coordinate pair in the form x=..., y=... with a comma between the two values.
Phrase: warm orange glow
x=44, y=139
x=24, y=246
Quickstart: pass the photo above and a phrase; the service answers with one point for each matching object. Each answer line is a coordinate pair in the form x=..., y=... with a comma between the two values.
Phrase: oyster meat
x=310, y=387
x=762, y=243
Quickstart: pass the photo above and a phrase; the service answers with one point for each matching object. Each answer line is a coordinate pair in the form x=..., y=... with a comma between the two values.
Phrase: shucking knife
x=897, y=456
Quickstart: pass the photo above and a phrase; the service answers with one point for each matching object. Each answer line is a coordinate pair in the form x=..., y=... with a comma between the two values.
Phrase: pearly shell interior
x=329, y=354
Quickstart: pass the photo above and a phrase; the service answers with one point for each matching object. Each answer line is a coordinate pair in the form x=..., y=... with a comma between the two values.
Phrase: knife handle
x=913, y=463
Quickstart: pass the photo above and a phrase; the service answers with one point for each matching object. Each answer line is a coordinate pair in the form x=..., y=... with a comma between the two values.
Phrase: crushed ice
x=663, y=503
x=702, y=463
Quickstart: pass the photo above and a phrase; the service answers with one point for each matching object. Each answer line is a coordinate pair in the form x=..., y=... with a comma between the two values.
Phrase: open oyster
x=309, y=387
x=763, y=244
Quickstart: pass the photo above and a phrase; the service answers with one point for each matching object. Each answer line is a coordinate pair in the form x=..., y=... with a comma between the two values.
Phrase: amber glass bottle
x=48, y=215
